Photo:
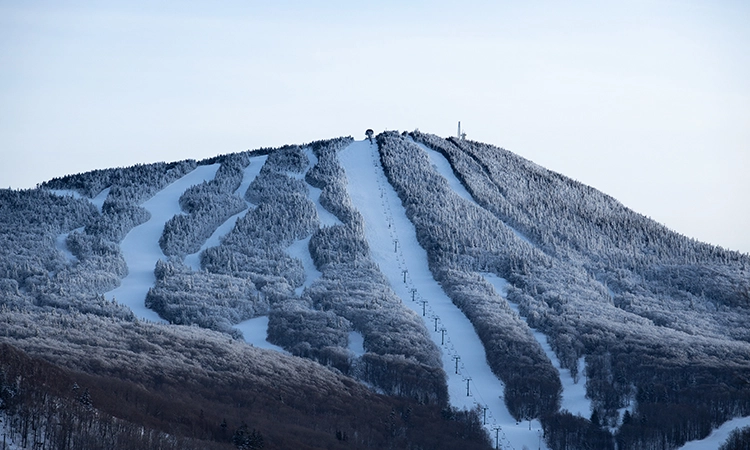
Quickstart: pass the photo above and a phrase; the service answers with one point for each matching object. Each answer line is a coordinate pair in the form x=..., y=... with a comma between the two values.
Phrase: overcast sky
x=648, y=101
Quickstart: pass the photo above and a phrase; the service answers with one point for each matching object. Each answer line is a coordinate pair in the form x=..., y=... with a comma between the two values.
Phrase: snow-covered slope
x=252, y=171
x=141, y=245
x=717, y=436
x=547, y=272
x=393, y=243
x=574, y=390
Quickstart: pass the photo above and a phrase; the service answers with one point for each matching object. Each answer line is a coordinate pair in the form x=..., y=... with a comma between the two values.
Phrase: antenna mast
x=460, y=136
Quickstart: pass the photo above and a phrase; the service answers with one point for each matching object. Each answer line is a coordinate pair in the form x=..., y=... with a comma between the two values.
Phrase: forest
x=659, y=319
x=657, y=316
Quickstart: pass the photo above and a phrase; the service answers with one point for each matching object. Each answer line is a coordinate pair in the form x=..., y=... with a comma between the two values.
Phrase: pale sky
x=648, y=101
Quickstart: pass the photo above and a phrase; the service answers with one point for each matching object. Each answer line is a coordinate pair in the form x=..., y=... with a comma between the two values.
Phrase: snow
x=574, y=392
x=464, y=358
x=67, y=193
x=718, y=436
x=193, y=260
x=98, y=201
x=443, y=166
x=255, y=332
x=251, y=171
x=356, y=343
x=60, y=243
x=300, y=250
x=140, y=248
x=324, y=216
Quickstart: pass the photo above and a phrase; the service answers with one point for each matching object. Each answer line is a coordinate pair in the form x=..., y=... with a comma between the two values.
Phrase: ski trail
x=443, y=166
x=574, y=392
x=97, y=201
x=193, y=260
x=255, y=332
x=718, y=436
x=300, y=249
x=61, y=244
x=140, y=248
x=326, y=218
x=394, y=247
x=251, y=172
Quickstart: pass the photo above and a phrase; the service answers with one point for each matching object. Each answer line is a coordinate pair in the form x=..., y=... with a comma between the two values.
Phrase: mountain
x=404, y=291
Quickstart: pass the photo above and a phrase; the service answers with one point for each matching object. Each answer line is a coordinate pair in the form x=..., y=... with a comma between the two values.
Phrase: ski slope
x=251, y=171
x=324, y=216
x=394, y=247
x=140, y=248
x=301, y=249
x=574, y=391
x=718, y=436
x=97, y=201
x=255, y=332
x=443, y=166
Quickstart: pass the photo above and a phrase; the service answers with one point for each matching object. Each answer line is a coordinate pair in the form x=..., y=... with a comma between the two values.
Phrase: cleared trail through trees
x=718, y=436
x=574, y=391
x=254, y=330
x=325, y=217
x=394, y=247
x=300, y=249
x=141, y=249
x=444, y=168
x=251, y=172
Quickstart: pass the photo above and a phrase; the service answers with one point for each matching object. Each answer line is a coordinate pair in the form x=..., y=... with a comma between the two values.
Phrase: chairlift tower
x=460, y=136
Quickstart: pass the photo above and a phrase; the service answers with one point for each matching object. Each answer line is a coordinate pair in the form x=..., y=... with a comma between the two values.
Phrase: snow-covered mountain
x=481, y=299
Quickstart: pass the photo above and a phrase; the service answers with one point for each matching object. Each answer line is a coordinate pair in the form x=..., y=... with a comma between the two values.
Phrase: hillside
x=409, y=292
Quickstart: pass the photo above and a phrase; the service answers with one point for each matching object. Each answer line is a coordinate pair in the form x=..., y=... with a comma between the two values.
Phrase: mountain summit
x=403, y=291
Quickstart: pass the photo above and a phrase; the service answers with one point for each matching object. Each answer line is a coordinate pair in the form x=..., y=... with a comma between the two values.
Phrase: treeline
x=193, y=389
x=642, y=303
x=43, y=406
